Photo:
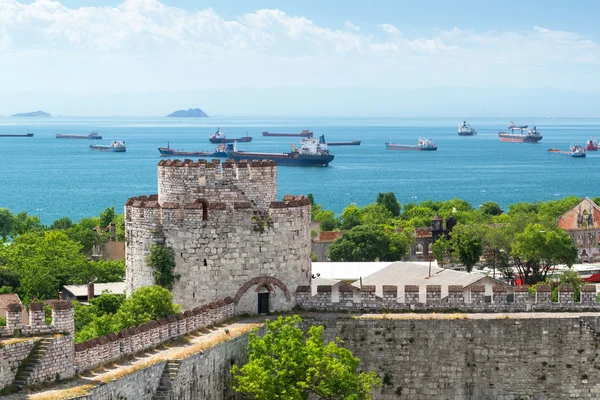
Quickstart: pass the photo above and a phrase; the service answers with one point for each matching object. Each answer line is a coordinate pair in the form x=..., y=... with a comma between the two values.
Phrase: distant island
x=191, y=113
x=32, y=114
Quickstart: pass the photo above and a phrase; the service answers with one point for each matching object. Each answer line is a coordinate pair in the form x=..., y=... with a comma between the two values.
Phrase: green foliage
x=442, y=251
x=311, y=199
x=375, y=214
x=313, y=257
x=327, y=220
x=287, y=363
x=6, y=223
x=162, y=260
x=490, y=208
x=61, y=223
x=399, y=243
x=467, y=242
x=568, y=277
x=107, y=216
x=361, y=243
x=351, y=217
x=2, y=321
x=390, y=202
x=103, y=271
x=25, y=223
x=9, y=278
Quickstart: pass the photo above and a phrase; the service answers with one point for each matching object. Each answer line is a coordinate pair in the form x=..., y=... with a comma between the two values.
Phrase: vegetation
x=38, y=260
x=288, y=363
x=525, y=238
x=111, y=313
x=162, y=260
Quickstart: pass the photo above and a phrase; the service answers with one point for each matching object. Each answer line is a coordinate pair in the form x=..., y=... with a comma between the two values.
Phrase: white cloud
x=152, y=46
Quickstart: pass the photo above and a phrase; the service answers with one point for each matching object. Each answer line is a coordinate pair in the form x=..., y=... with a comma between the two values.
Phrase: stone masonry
x=229, y=234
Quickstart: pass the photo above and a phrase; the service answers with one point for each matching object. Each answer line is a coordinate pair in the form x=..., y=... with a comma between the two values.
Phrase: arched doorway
x=263, y=300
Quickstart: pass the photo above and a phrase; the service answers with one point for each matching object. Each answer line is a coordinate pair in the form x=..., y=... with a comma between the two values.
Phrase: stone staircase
x=36, y=355
x=164, y=390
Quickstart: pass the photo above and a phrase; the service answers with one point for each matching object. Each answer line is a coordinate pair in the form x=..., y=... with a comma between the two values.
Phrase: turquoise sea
x=53, y=178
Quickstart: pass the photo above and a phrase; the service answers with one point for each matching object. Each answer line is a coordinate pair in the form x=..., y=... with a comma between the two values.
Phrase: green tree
x=538, y=248
x=490, y=208
x=44, y=261
x=361, y=243
x=390, y=202
x=9, y=280
x=107, y=216
x=467, y=244
x=375, y=214
x=162, y=260
x=61, y=223
x=119, y=221
x=442, y=251
x=327, y=220
x=6, y=223
x=101, y=271
x=25, y=223
x=568, y=277
x=287, y=363
x=350, y=217
x=145, y=304
x=399, y=243
x=311, y=198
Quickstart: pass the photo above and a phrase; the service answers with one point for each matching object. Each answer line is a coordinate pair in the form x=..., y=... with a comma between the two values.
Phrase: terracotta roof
x=329, y=236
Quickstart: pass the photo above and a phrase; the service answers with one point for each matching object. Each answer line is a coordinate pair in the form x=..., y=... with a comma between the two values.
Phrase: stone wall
x=11, y=356
x=226, y=230
x=489, y=358
x=459, y=298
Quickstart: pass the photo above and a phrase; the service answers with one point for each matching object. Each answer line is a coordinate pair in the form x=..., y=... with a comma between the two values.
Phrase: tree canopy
x=288, y=363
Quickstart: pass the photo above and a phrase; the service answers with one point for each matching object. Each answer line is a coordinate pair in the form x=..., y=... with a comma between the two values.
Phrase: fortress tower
x=229, y=234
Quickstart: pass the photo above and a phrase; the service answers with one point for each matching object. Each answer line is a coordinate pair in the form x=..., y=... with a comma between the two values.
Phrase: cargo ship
x=17, y=135
x=114, y=147
x=220, y=151
x=466, y=130
x=352, y=143
x=422, y=145
x=532, y=135
x=219, y=137
x=304, y=133
x=577, y=151
x=591, y=145
x=91, y=135
x=312, y=153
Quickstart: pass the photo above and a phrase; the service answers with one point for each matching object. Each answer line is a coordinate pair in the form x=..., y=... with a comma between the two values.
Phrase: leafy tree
x=9, y=279
x=145, y=304
x=350, y=217
x=495, y=252
x=468, y=245
x=44, y=261
x=389, y=201
x=538, y=248
x=162, y=260
x=523, y=208
x=568, y=277
x=6, y=223
x=107, y=216
x=375, y=214
x=361, y=243
x=61, y=223
x=119, y=221
x=101, y=271
x=311, y=198
x=108, y=303
x=287, y=363
x=490, y=208
x=24, y=223
x=442, y=251
x=399, y=243
x=327, y=220
x=555, y=208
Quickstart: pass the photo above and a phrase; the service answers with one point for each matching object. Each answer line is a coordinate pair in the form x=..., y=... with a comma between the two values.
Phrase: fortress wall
x=487, y=358
x=11, y=356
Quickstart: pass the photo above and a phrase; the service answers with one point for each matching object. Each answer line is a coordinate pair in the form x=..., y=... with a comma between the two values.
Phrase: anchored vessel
x=304, y=133
x=219, y=137
x=352, y=143
x=466, y=130
x=91, y=135
x=422, y=145
x=577, y=151
x=220, y=151
x=532, y=135
x=114, y=147
x=591, y=145
x=17, y=135
x=312, y=152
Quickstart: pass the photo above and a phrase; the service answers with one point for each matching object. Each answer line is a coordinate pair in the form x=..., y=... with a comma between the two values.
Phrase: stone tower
x=229, y=234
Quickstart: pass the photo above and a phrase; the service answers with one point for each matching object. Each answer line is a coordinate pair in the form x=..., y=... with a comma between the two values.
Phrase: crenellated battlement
x=469, y=299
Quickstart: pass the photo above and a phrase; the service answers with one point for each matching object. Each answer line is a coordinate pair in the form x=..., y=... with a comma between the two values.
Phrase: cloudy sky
x=103, y=47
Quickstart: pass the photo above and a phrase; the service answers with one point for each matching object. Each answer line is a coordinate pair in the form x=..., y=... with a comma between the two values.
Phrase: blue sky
x=104, y=47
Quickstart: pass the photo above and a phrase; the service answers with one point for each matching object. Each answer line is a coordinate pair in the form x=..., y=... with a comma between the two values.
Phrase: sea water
x=53, y=177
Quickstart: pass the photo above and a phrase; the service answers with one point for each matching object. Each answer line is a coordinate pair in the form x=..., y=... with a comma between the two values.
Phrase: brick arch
x=204, y=204
x=264, y=281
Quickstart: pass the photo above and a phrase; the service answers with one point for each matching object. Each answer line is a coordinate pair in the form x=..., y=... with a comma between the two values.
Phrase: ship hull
x=466, y=133
x=513, y=138
x=307, y=134
x=285, y=159
x=166, y=152
x=24, y=135
x=61, y=136
x=107, y=149
x=353, y=143
x=409, y=147
x=223, y=140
